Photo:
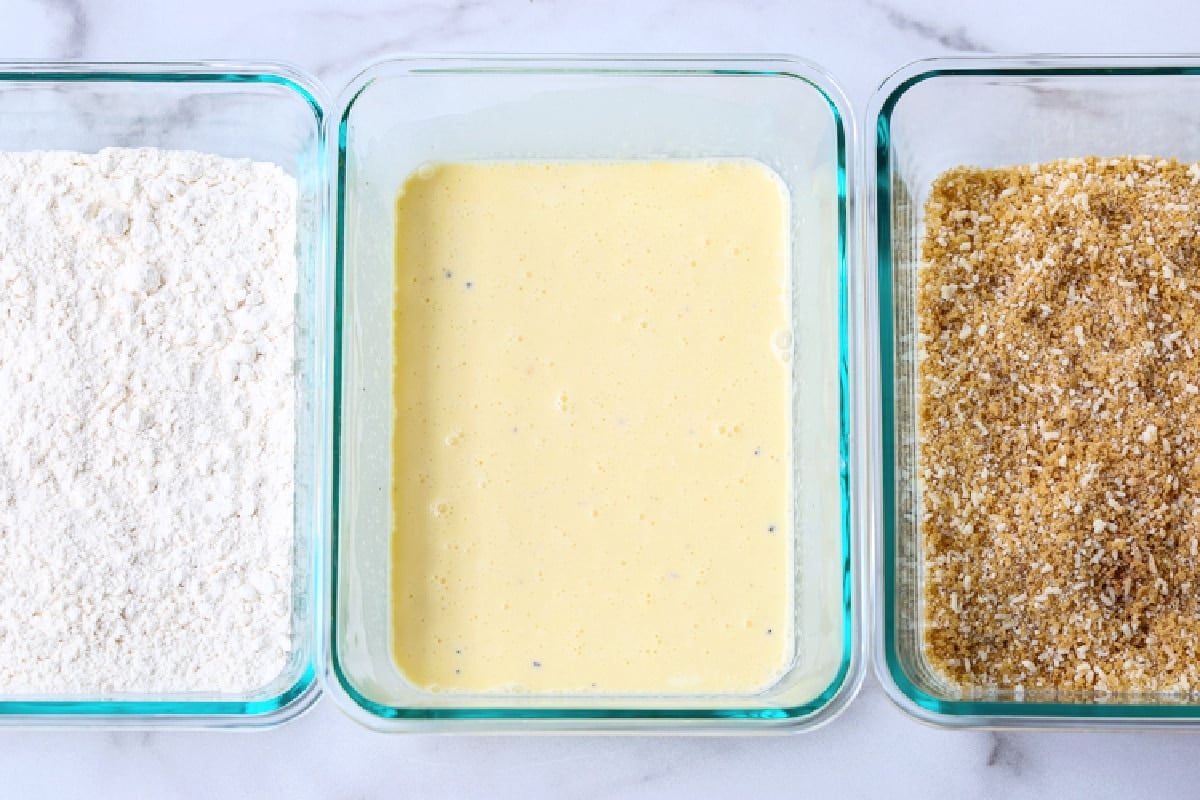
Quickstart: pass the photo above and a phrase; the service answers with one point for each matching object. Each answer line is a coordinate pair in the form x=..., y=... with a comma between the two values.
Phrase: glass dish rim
x=302, y=694
x=851, y=668
x=877, y=202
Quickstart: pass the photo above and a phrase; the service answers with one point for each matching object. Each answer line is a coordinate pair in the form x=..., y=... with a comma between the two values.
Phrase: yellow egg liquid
x=592, y=461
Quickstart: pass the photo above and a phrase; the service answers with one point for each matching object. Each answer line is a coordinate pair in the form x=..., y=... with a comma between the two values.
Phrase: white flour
x=146, y=421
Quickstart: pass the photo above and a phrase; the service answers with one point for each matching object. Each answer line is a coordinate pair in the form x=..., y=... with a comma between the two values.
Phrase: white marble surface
x=872, y=750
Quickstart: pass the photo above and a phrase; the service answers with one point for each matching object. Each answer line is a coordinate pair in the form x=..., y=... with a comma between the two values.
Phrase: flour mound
x=147, y=419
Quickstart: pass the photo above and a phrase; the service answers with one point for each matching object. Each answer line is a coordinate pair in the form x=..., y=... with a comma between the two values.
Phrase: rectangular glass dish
x=400, y=115
x=988, y=112
x=254, y=111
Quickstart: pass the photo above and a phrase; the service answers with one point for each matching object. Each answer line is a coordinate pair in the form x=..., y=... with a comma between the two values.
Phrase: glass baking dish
x=401, y=114
x=927, y=118
x=257, y=111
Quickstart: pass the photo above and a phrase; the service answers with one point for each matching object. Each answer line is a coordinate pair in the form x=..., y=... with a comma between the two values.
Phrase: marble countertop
x=872, y=749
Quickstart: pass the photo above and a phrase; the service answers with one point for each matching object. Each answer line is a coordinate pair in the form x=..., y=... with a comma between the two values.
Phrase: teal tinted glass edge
x=826, y=696
x=939, y=706
x=306, y=682
x=163, y=708
x=171, y=77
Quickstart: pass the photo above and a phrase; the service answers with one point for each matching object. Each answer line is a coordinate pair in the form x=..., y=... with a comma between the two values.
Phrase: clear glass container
x=927, y=118
x=263, y=112
x=399, y=115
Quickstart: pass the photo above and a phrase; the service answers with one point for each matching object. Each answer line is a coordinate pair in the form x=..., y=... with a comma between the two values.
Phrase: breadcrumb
x=1059, y=458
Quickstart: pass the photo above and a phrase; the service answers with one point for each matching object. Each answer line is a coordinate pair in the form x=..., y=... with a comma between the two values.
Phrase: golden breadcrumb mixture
x=1059, y=419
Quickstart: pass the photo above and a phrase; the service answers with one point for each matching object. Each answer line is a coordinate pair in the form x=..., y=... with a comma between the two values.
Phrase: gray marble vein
x=74, y=37
x=956, y=38
x=403, y=31
x=1005, y=753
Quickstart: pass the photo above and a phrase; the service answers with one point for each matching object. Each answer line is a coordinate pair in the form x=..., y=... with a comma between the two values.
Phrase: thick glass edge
x=877, y=198
x=304, y=692
x=284, y=707
x=601, y=64
x=271, y=72
x=849, y=676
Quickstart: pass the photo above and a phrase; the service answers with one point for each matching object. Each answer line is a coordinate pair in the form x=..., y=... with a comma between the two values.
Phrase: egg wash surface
x=591, y=485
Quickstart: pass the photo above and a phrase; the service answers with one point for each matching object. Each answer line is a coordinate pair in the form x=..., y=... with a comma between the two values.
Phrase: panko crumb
x=1059, y=474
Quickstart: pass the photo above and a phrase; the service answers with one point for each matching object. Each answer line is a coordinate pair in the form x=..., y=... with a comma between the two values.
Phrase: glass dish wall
x=930, y=117
x=260, y=112
x=400, y=115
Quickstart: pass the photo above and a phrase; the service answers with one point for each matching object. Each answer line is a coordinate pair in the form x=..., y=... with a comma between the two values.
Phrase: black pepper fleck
x=537, y=665
x=770, y=631
x=758, y=451
x=449, y=274
x=770, y=529
x=469, y=284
